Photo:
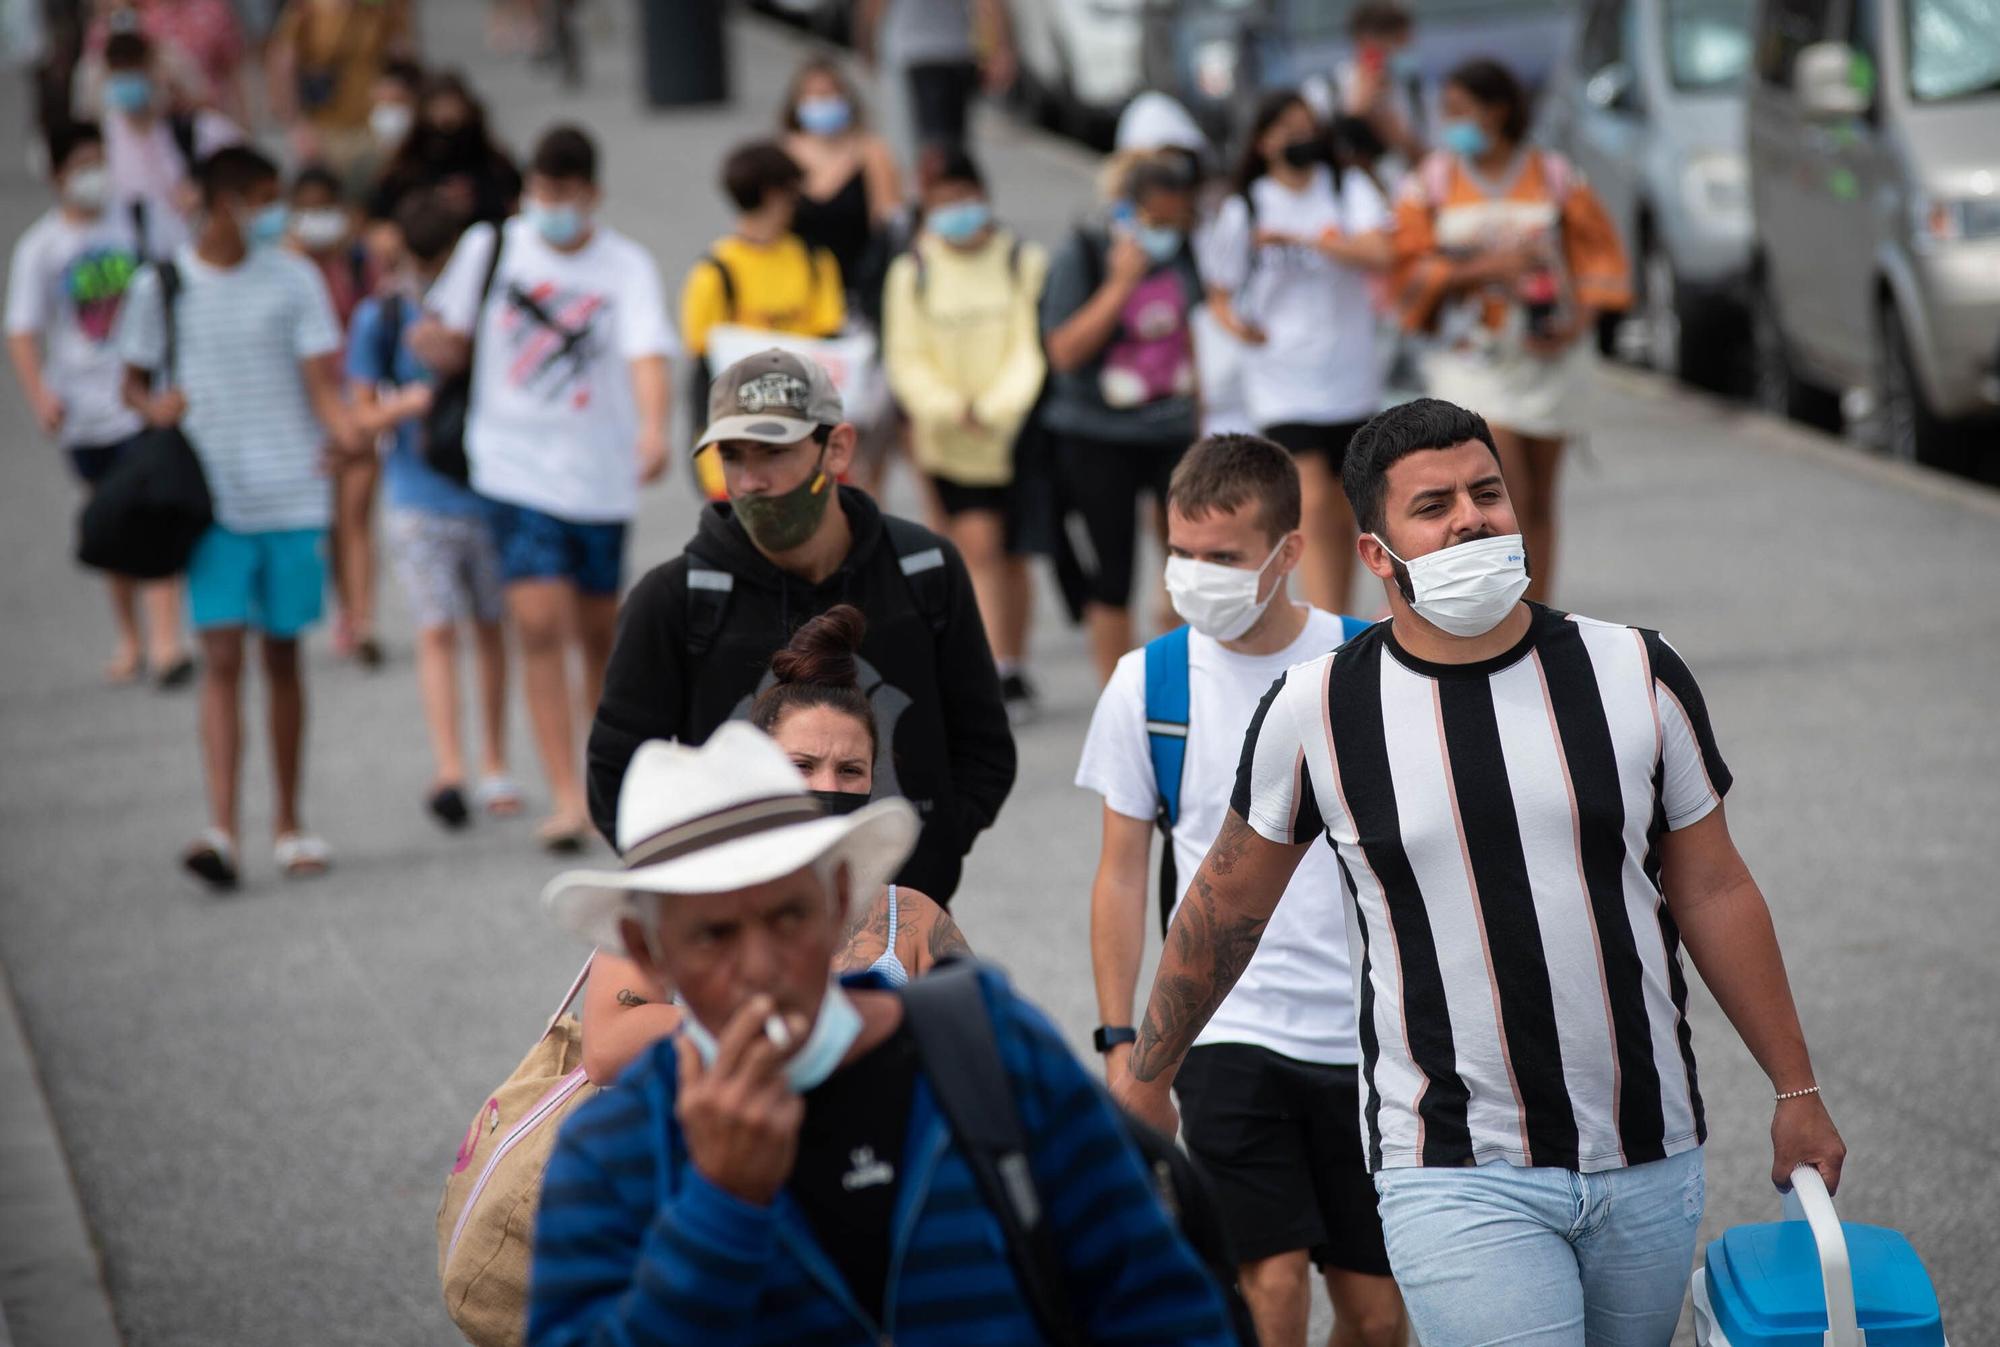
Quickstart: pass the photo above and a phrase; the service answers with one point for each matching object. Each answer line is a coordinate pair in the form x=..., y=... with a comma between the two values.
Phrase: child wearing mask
x=68, y=278
x=963, y=353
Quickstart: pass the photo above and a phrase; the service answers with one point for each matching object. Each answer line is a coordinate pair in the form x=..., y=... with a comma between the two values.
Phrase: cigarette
x=775, y=1030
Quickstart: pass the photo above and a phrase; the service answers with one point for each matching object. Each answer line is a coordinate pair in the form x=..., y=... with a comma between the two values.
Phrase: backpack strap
x=181, y=127
x=708, y=591
x=388, y=334
x=728, y=285
x=170, y=294
x=947, y=1015
x=1166, y=739
x=920, y=555
x=1557, y=175
x=138, y=208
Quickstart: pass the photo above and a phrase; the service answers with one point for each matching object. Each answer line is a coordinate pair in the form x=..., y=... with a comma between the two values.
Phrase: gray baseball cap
x=773, y=396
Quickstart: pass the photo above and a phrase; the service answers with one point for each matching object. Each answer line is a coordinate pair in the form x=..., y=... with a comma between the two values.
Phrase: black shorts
x=1102, y=481
x=1327, y=440
x=941, y=94
x=1281, y=1141
x=955, y=498
x=92, y=462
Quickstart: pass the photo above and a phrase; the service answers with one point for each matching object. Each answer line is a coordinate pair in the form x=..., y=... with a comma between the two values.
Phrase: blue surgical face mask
x=833, y=1032
x=827, y=116
x=1160, y=242
x=1466, y=139
x=960, y=222
x=267, y=226
x=128, y=92
x=560, y=226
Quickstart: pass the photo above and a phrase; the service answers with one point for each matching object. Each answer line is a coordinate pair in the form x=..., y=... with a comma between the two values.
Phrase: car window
x=1789, y=27
x=1708, y=42
x=1601, y=36
x=1953, y=53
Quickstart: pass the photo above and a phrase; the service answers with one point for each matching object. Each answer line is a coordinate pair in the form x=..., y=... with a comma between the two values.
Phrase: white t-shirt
x=65, y=286
x=1319, y=363
x=1296, y=997
x=147, y=165
x=553, y=425
x=243, y=333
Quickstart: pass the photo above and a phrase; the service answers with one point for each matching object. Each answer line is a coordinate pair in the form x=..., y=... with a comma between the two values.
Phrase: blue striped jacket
x=633, y=1247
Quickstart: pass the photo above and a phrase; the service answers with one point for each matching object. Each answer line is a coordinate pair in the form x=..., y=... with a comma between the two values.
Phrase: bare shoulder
x=928, y=933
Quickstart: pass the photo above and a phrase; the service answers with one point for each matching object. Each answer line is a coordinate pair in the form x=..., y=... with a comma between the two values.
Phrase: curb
x=52, y=1291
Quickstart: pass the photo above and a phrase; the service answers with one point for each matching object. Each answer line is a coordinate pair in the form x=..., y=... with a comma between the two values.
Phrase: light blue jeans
x=1543, y=1257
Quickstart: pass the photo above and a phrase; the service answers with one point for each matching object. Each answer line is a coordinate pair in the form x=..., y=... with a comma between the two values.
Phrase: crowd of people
x=1425, y=872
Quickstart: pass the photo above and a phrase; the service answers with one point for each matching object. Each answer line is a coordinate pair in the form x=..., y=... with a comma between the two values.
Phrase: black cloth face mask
x=840, y=802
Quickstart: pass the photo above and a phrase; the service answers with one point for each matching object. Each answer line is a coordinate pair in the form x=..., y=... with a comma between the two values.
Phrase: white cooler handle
x=1810, y=1201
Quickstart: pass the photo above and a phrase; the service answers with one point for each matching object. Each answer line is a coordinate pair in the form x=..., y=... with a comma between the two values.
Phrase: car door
x=1850, y=182
x=1787, y=161
x=1611, y=124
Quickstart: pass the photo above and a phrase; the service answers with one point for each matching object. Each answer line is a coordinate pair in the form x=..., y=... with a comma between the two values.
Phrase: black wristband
x=1108, y=1036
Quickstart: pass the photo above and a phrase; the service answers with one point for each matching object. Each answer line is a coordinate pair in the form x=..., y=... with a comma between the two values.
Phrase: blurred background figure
x=392, y=113
x=963, y=352
x=1505, y=258
x=934, y=57
x=1381, y=84
x=449, y=148
x=153, y=139
x=321, y=65
x=1288, y=266
x=200, y=44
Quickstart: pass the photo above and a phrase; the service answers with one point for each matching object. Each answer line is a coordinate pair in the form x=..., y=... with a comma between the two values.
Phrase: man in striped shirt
x=1527, y=810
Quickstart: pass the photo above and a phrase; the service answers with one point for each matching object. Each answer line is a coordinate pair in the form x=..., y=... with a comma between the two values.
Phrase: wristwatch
x=1108, y=1036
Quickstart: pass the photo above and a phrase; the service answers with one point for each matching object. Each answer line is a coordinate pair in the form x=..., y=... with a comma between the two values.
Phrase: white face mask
x=1469, y=588
x=834, y=1030
x=1219, y=601
x=320, y=228
x=88, y=188
x=390, y=122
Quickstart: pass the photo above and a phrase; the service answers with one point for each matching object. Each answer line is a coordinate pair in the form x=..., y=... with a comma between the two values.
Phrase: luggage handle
x=1809, y=1201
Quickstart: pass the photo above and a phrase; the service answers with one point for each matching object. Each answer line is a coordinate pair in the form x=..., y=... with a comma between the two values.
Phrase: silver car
x=1648, y=102
x=1875, y=178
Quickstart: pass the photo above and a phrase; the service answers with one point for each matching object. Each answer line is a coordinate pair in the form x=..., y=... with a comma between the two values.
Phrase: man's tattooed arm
x=1211, y=941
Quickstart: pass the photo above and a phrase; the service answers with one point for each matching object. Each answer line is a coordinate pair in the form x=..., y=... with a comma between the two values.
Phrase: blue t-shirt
x=411, y=483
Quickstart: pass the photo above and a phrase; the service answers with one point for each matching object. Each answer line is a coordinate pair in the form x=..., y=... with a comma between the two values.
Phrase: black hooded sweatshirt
x=945, y=742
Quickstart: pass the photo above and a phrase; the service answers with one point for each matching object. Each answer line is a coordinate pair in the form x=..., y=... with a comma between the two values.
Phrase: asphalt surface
x=260, y=1095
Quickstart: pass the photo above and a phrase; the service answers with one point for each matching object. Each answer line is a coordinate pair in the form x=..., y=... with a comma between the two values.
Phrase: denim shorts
x=271, y=582
x=537, y=546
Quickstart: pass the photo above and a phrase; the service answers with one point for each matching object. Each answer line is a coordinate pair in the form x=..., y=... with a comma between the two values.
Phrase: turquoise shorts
x=271, y=582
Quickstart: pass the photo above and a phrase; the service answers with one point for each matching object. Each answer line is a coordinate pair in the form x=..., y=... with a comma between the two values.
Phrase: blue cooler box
x=1814, y=1282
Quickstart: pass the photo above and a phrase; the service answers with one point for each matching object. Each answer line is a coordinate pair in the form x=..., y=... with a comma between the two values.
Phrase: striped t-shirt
x=242, y=333
x=1520, y=988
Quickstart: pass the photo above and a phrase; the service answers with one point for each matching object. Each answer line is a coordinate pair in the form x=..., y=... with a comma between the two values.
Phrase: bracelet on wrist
x=1783, y=1095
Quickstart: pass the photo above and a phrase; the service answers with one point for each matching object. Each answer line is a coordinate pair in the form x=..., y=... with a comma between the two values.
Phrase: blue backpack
x=1166, y=735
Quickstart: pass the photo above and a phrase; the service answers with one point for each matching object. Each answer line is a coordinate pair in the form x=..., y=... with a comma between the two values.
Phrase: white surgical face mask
x=390, y=122
x=88, y=189
x=834, y=1030
x=1469, y=588
x=320, y=227
x=1219, y=601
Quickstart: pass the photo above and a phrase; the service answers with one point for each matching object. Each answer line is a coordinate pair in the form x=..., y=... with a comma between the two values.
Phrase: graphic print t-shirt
x=65, y=286
x=553, y=425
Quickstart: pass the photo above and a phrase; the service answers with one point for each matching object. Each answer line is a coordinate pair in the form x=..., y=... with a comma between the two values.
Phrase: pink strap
x=570, y=997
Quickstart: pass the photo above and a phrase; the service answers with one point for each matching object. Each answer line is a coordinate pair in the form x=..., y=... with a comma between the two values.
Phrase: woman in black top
x=852, y=188
x=450, y=149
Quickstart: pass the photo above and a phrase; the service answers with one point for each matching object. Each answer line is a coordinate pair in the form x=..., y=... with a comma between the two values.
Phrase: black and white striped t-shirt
x=1520, y=988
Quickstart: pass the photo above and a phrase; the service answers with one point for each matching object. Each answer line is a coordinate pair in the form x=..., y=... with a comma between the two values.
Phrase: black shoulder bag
x=443, y=432
x=146, y=516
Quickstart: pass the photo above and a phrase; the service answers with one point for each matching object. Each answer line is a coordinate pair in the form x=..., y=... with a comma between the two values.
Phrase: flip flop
x=302, y=856
x=212, y=860
x=498, y=796
x=176, y=675
x=562, y=838
x=447, y=805
x=368, y=653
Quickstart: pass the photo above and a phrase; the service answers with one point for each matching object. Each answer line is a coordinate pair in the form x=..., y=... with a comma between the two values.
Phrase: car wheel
x=1910, y=432
x=1775, y=387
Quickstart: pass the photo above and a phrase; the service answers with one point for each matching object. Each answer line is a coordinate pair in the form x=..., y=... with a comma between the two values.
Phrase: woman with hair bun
x=816, y=711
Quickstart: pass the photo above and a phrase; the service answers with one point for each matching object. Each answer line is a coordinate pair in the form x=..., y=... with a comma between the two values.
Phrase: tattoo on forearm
x=628, y=997
x=1207, y=950
x=946, y=940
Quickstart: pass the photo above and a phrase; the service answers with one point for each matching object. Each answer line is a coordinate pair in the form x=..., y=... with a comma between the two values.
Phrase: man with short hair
x=1269, y=1095
x=568, y=416
x=697, y=633
x=780, y=1170
x=1380, y=84
x=153, y=144
x=254, y=382
x=1527, y=810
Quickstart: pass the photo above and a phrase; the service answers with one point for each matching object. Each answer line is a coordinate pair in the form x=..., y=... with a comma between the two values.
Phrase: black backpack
x=442, y=437
x=948, y=1017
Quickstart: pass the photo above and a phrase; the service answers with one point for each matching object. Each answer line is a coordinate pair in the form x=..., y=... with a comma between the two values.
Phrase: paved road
x=260, y=1095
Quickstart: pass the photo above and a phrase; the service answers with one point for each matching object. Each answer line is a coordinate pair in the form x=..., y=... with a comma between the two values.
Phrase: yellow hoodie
x=960, y=332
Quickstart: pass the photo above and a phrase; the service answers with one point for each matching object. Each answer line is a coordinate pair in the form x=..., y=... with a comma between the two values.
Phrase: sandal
x=122, y=670
x=176, y=675
x=212, y=860
x=368, y=653
x=447, y=805
x=498, y=796
x=302, y=856
x=560, y=837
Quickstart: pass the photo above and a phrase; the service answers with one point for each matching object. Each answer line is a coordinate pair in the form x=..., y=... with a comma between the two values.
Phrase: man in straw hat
x=748, y=1180
x=697, y=632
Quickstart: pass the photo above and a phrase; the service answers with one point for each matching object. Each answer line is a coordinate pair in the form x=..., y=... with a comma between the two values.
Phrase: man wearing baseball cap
x=697, y=633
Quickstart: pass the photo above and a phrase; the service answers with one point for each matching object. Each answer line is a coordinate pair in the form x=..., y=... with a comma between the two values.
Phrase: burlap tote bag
x=486, y=1223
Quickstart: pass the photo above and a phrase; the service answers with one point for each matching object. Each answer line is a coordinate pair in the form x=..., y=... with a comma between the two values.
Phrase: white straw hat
x=728, y=815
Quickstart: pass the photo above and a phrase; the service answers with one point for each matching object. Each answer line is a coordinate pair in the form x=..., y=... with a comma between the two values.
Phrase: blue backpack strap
x=1166, y=738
